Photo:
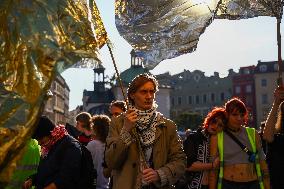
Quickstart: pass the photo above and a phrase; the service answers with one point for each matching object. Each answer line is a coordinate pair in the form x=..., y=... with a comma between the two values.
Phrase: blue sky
x=224, y=44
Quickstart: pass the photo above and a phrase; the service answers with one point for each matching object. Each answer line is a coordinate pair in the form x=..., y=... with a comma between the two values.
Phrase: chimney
x=216, y=74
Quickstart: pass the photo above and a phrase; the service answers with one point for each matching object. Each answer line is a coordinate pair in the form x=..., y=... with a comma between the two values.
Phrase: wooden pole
x=117, y=73
x=280, y=69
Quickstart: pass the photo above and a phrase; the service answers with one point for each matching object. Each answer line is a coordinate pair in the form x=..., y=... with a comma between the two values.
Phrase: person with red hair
x=242, y=160
x=196, y=147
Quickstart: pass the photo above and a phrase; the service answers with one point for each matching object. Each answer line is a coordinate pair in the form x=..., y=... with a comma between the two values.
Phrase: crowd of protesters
x=136, y=147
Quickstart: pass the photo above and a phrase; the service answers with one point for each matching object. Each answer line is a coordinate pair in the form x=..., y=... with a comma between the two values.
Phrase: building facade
x=244, y=88
x=57, y=106
x=189, y=91
x=195, y=92
x=266, y=76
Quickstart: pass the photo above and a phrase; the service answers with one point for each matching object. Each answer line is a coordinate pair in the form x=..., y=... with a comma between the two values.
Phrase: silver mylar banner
x=163, y=29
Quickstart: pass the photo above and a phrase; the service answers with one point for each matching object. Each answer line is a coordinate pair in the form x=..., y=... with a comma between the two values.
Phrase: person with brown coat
x=143, y=147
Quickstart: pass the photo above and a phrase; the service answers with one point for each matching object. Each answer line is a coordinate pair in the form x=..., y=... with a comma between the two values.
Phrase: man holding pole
x=143, y=147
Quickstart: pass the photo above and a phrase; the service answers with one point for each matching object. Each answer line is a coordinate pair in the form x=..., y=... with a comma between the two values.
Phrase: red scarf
x=57, y=133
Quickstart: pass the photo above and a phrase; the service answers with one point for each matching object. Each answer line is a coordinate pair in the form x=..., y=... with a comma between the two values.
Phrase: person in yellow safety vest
x=242, y=160
x=27, y=165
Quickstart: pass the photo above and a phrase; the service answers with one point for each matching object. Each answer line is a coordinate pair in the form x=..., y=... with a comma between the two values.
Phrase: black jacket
x=196, y=148
x=61, y=166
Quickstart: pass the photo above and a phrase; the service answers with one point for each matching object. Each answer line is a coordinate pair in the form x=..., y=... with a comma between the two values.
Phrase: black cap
x=43, y=128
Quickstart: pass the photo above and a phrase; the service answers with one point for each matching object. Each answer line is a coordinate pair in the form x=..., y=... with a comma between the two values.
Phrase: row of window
x=197, y=99
x=203, y=112
x=263, y=68
x=204, y=100
x=59, y=102
x=59, y=89
x=248, y=88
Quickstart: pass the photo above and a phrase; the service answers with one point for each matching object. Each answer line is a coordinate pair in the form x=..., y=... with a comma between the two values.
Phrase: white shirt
x=97, y=149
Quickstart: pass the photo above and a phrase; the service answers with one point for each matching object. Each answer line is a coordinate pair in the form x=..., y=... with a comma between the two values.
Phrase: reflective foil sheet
x=163, y=29
x=38, y=39
x=240, y=9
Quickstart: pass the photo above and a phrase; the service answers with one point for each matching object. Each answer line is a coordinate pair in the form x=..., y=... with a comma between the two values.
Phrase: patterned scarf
x=57, y=133
x=146, y=128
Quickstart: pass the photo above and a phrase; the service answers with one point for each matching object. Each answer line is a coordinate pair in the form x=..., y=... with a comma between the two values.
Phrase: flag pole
x=117, y=73
x=280, y=67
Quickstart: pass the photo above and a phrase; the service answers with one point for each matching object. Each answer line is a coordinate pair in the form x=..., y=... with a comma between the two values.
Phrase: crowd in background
x=135, y=146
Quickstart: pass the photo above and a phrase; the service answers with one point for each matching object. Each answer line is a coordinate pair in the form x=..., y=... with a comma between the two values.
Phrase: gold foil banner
x=38, y=39
x=163, y=29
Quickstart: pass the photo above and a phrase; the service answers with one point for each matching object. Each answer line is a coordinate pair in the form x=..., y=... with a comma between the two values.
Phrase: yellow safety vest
x=251, y=136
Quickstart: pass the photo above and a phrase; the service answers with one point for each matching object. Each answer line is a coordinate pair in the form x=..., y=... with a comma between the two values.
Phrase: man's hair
x=86, y=119
x=236, y=104
x=101, y=126
x=118, y=103
x=139, y=81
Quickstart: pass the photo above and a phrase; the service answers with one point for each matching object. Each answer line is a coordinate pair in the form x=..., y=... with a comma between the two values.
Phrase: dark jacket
x=61, y=166
x=196, y=148
x=275, y=159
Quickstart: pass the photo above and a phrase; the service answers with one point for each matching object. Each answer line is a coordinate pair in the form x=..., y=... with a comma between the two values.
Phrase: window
x=196, y=77
x=197, y=99
x=212, y=97
x=179, y=100
x=263, y=82
x=204, y=98
x=264, y=99
x=173, y=101
x=275, y=67
x=263, y=68
x=189, y=100
x=238, y=89
x=222, y=96
x=48, y=105
x=246, y=71
x=248, y=89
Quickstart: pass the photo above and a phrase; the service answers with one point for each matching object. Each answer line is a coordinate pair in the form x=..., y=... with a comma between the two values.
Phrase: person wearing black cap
x=60, y=162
